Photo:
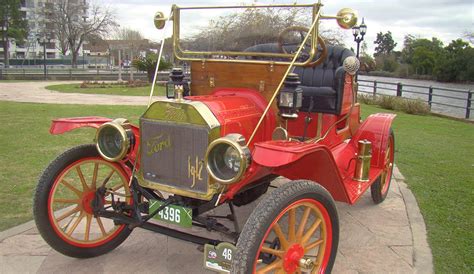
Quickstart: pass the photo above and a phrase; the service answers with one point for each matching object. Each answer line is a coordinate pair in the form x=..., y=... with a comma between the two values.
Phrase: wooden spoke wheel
x=380, y=187
x=293, y=230
x=63, y=205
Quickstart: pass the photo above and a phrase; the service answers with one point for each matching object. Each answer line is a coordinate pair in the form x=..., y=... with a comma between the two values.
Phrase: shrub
x=129, y=84
x=381, y=73
x=415, y=106
x=388, y=102
x=366, y=99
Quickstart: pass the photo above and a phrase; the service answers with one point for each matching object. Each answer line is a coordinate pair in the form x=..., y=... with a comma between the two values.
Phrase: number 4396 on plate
x=173, y=214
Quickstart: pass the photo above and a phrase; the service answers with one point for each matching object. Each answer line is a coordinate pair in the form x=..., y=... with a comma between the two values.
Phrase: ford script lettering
x=158, y=143
x=173, y=113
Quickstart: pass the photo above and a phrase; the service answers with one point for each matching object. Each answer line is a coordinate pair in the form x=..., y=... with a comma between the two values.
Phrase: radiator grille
x=172, y=154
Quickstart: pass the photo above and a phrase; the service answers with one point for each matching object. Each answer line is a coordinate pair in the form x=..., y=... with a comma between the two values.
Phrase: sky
x=444, y=19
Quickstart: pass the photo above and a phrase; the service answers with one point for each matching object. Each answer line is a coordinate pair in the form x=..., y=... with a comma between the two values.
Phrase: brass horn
x=160, y=20
x=347, y=18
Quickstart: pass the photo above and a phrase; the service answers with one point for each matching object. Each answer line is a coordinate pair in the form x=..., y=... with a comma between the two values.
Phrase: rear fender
x=63, y=125
x=376, y=129
x=295, y=160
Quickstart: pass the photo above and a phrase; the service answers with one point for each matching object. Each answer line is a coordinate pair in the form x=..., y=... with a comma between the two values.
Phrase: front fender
x=63, y=125
x=295, y=160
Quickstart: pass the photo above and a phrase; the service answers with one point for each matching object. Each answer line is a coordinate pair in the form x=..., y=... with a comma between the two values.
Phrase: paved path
x=35, y=92
x=390, y=237
x=385, y=238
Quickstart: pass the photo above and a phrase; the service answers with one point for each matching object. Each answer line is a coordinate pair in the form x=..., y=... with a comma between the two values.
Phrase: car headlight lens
x=114, y=139
x=227, y=159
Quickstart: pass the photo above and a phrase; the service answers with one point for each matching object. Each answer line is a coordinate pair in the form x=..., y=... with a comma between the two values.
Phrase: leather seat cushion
x=324, y=99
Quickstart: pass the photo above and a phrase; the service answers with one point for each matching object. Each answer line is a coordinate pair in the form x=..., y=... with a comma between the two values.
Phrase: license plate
x=172, y=214
x=219, y=258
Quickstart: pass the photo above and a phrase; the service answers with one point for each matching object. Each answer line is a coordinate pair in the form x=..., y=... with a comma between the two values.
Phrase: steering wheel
x=306, y=48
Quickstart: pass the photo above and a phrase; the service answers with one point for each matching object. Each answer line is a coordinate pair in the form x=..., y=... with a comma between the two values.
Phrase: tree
x=456, y=64
x=12, y=25
x=148, y=64
x=241, y=30
x=423, y=60
x=385, y=43
x=435, y=46
x=367, y=62
x=127, y=34
x=76, y=20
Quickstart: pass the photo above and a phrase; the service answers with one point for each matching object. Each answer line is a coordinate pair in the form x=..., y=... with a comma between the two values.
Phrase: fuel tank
x=238, y=110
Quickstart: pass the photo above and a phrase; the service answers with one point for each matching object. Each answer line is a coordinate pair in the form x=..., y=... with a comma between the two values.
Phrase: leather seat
x=323, y=84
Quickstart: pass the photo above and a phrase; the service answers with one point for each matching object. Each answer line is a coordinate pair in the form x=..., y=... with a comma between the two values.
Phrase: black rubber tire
x=269, y=208
x=40, y=207
x=376, y=187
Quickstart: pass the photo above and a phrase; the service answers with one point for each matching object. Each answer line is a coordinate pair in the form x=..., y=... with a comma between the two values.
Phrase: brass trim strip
x=181, y=54
x=247, y=6
x=319, y=126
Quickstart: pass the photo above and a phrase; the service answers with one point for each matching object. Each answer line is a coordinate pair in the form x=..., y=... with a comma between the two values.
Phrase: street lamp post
x=42, y=41
x=359, y=32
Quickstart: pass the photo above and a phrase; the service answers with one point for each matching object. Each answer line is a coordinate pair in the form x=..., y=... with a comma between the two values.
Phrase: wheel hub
x=292, y=258
x=87, y=200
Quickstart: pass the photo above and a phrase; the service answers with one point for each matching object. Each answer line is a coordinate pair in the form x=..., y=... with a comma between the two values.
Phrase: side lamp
x=176, y=79
x=290, y=97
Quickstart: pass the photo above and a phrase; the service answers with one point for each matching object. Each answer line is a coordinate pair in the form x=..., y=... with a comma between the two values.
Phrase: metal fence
x=438, y=98
x=69, y=74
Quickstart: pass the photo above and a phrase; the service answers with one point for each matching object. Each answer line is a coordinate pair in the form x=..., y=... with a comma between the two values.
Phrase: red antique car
x=246, y=118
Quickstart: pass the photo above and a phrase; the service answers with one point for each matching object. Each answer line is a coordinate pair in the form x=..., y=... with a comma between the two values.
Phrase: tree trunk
x=74, y=59
x=150, y=73
x=6, y=45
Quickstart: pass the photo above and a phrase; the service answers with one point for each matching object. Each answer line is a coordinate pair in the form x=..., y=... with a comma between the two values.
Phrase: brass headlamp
x=114, y=139
x=228, y=158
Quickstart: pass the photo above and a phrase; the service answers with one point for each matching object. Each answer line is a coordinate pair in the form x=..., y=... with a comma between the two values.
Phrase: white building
x=33, y=11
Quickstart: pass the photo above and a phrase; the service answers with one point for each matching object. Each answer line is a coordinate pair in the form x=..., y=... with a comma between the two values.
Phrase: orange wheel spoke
x=76, y=223
x=88, y=227
x=66, y=201
x=270, y=267
x=291, y=225
x=304, y=219
x=311, y=231
x=281, y=271
x=67, y=213
x=272, y=251
x=117, y=187
x=85, y=187
x=73, y=189
x=106, y=180
x=283, y=241
x=101, y=225
x=94, y=176
x=313, y=244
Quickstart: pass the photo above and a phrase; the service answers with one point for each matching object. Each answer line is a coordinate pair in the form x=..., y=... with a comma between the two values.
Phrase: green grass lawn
x=27, y=148
x=135, y=91
x=434, y=154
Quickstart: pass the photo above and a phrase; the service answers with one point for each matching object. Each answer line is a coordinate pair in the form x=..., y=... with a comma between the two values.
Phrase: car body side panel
x=295, y=160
